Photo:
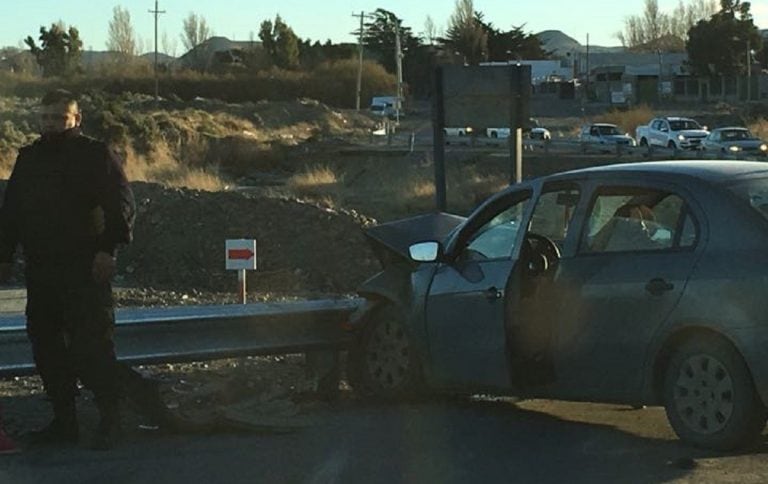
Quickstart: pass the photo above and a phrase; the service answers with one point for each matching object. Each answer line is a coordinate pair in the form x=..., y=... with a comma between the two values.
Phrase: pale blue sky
x=321, y=20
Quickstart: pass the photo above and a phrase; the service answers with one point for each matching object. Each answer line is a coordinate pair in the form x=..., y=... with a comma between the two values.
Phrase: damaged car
x=640, y=284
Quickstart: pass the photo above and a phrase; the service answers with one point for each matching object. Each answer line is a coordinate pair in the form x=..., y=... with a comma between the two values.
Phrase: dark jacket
x=66, y=199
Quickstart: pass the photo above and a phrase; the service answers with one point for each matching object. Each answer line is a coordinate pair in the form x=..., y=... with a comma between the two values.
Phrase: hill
x=561, y=44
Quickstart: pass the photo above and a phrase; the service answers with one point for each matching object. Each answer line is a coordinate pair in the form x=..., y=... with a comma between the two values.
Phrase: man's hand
x=103, y=267
x=6, y=271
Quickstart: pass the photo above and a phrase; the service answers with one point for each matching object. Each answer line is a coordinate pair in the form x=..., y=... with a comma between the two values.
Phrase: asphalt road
x=436, y=442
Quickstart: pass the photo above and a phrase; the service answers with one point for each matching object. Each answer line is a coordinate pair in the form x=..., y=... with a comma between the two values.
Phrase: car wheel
x=643, y=142
x=671, y=145
x=383, y=361
x=709, y=396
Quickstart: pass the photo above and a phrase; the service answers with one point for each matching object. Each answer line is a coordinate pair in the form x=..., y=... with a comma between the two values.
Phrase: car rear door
x=465, y=307
x=638, y=246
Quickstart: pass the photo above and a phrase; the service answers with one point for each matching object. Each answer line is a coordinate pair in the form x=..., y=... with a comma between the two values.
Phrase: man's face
x=59, y=117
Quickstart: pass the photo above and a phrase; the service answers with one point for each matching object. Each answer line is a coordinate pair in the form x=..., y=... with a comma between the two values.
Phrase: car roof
x=731, y=128
x=706, y=170
x=678, y=118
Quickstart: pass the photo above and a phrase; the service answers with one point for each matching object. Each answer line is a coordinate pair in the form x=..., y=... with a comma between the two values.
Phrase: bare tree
x=168, y=46
x=195, y=31
x=122, y=37
x=656, y=30
x=430, y=31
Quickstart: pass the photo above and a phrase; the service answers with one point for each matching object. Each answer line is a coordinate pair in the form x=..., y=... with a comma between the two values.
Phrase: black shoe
x=56, y=433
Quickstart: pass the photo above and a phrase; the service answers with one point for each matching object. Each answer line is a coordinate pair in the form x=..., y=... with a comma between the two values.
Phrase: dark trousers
x=70, y=324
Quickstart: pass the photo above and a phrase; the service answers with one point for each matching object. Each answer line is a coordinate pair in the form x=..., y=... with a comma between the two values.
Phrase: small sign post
x=240, y=255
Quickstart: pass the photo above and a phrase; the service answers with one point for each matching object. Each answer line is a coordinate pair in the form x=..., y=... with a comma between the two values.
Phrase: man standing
x=68, y=205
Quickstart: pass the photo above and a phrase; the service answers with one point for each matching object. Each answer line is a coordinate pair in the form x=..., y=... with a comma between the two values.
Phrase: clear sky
x=321, y=20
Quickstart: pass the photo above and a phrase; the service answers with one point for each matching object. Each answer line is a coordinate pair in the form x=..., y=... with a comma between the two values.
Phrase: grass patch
x=628, y=119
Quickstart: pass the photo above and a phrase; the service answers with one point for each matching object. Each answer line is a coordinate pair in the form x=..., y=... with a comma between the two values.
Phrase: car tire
x=643, y=142
x=672, y=146
x=382, y=362
x=709, y=396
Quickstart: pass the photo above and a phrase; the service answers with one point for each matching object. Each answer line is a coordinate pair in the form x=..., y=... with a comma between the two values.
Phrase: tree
x=195, y=31
x=512, y=44
x=430, y=33
x=121, y=37
x=655, y=30
x=59, y=51
x=718, y=46
x=379, y=38
x=465, y=35
x=280, y=42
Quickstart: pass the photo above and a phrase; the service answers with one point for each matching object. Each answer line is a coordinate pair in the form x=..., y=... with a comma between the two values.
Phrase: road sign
x=240, y=254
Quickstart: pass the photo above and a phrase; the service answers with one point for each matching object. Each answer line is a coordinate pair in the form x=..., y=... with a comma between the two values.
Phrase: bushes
x=627, y=120
x=331, y=83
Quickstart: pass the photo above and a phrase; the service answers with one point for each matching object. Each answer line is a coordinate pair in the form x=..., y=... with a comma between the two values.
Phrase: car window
x=753, y=191
x=631, y=219
x=554, y=212
x=682, y=124
x=608, y=130
x=496, y=238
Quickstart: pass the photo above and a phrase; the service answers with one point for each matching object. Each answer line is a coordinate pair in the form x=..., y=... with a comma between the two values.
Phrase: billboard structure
x=480, y=97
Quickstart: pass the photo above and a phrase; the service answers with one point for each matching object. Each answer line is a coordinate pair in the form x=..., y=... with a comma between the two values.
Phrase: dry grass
x=760, y=128
x=160, y=166
x=319, y=183
x=627, y=120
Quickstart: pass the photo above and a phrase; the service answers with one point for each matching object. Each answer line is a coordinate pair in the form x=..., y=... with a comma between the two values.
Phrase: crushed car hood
x=394, y=238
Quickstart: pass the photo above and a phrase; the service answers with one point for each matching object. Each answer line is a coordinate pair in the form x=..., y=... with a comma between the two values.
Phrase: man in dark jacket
x=69, y=206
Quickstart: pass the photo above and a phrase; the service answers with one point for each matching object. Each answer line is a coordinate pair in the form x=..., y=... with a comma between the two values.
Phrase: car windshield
x=681, y=124
x=753, y=191
x=608, y=130
x=735, y=134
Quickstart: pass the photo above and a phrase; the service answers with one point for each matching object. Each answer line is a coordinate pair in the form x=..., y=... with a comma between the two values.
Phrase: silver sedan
x=734, y=142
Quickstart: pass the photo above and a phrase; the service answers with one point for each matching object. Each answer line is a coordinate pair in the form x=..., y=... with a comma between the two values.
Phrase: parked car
x=638, y=283
x=734, y=141
x=672, y=132
x=603, y=136
x=532, y=130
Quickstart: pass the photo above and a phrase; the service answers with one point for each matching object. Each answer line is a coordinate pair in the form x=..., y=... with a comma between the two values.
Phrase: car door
x=465, y=306
x=660, y=132
x=638, y=245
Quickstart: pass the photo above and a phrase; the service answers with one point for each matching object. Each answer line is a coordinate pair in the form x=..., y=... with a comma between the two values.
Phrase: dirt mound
x=302, y=248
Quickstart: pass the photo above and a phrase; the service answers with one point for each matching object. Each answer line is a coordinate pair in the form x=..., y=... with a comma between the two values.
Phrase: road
x=434, y=442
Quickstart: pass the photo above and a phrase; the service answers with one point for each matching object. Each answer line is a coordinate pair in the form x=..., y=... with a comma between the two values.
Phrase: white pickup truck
x=672, y=132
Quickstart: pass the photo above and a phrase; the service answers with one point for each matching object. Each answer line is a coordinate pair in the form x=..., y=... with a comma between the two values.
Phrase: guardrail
x=198, y=333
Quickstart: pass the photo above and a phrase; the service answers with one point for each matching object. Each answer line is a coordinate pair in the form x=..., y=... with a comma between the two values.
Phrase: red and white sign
x=240, y=254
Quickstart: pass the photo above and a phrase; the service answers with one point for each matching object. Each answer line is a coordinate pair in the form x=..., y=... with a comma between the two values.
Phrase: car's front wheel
x=383, y=361
x=709, y=396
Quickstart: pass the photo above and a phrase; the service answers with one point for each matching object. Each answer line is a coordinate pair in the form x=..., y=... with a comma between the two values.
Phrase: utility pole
x=156, y=12
x=399, y=64
x=586, y=89
x=360, y=61
x=749, y=72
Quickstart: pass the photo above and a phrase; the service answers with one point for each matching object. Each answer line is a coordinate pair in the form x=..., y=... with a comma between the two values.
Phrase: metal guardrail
x=198, y=333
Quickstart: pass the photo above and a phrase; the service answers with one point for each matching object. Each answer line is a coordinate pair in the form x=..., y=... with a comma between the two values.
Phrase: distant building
x=218, y=52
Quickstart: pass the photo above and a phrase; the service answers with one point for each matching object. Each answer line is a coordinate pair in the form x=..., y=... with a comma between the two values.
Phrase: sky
x=320, y=20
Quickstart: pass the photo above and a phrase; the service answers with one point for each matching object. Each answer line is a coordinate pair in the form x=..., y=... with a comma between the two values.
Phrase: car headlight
x=681, y=137
x=468, y=129
x=734, y=148
x=763, y=147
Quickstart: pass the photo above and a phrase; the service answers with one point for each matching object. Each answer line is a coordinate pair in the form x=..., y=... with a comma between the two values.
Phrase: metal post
x=241, y=289
x=438, y=139
x=515, y=123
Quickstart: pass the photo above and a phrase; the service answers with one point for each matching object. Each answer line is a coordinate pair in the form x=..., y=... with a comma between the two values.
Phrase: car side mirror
x=425, y=251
